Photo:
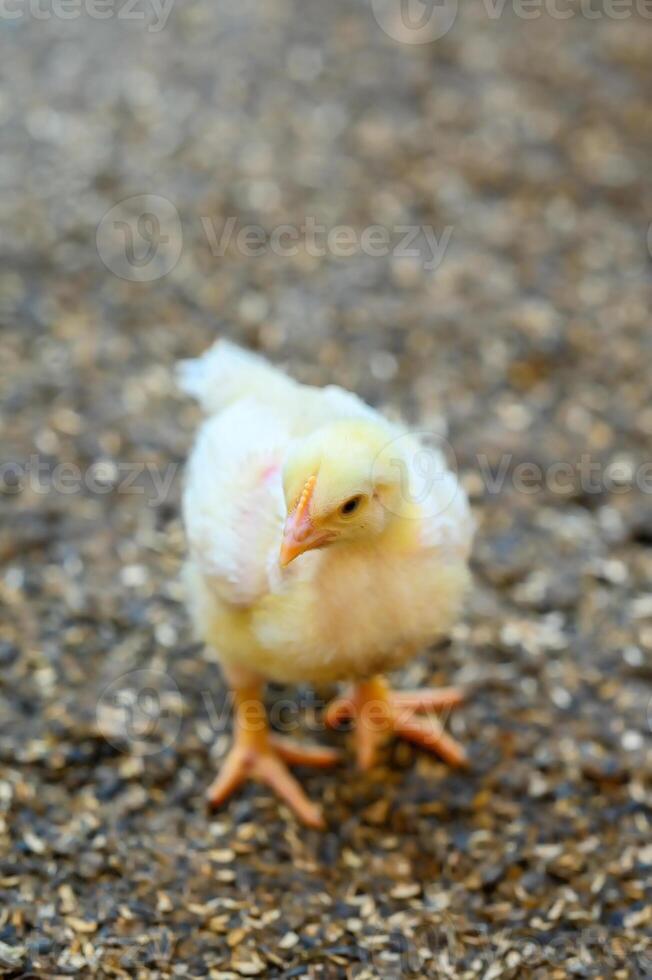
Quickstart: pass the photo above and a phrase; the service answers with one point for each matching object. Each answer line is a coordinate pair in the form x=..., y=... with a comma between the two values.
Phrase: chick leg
x=380, y=712
x=257, y=754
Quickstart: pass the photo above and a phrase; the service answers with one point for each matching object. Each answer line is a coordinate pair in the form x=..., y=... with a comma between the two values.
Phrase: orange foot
x=257, y=754
x=380, y=712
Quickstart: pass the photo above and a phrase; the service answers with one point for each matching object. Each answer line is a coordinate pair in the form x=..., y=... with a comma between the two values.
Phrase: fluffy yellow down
x=391, y=578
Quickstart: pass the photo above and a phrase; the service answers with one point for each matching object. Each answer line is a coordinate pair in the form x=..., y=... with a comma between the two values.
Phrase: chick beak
x=300, y=533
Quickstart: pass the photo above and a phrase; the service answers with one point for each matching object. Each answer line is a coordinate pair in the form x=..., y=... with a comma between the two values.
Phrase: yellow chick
x=317, y=553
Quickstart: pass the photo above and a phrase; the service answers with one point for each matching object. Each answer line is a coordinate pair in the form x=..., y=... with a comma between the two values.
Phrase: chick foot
x=257, y=754
x=380, y=712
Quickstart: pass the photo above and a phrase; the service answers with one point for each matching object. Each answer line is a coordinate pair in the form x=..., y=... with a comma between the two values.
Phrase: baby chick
x=316, y=554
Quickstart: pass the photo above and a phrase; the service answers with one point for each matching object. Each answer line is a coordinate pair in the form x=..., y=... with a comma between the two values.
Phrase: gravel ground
x=523, y=147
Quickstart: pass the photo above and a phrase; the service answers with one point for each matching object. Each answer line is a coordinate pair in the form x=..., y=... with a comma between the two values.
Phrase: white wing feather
x=226, y=374
x=233, y=501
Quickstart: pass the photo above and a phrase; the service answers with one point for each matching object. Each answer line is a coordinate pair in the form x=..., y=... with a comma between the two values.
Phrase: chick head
x=340, y=485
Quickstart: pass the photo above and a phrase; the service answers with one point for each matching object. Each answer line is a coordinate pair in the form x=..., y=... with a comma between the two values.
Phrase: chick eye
x=350, y=505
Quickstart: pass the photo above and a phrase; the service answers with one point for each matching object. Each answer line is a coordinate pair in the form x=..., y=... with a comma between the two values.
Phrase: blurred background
x=172, y=172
